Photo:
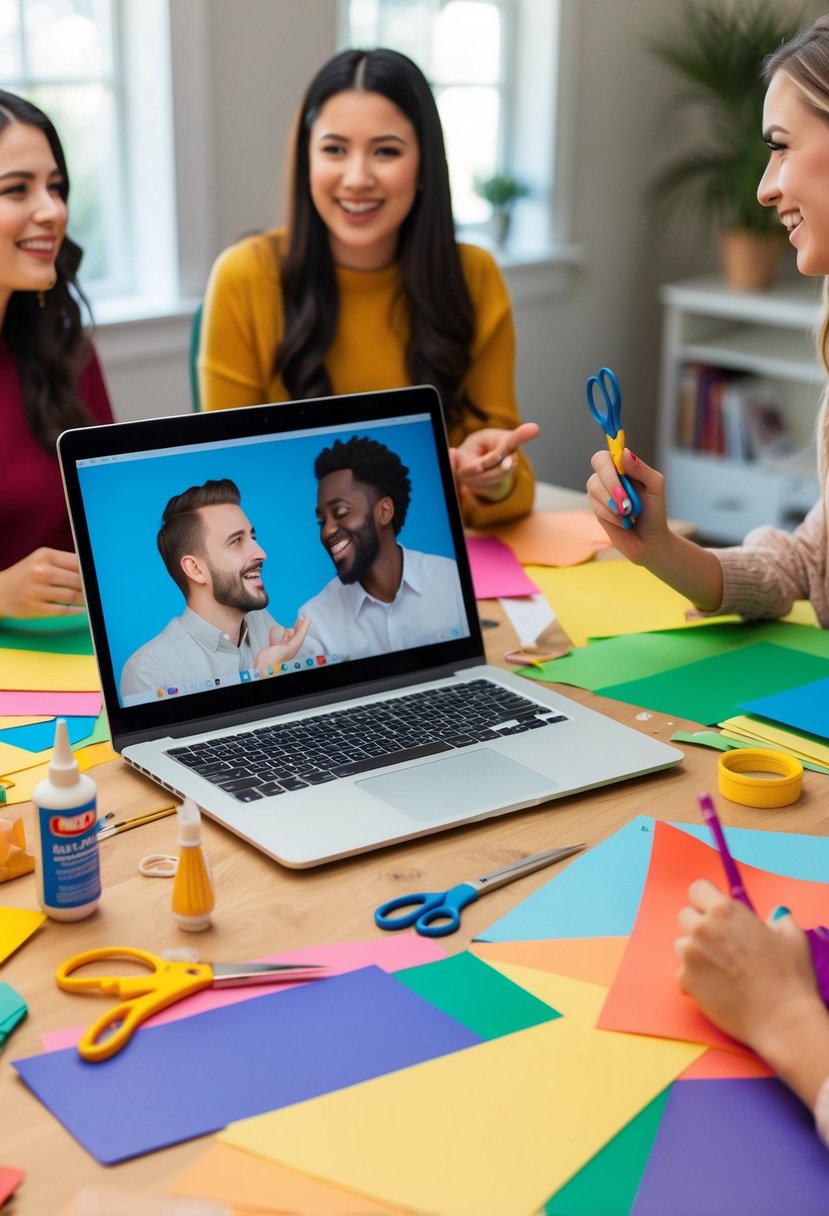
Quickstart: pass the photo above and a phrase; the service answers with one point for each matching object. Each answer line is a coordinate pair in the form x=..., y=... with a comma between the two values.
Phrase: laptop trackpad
x=458, y=786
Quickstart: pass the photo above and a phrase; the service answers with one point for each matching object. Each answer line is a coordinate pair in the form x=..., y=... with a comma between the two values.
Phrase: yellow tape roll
x=739, y=783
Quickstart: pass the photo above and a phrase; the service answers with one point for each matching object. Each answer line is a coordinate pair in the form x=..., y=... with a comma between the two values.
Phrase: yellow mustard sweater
x=243, y=324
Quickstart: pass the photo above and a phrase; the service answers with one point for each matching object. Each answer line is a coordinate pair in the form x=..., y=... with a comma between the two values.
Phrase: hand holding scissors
x=604, y=398
x=429, y=907
x=166, y=982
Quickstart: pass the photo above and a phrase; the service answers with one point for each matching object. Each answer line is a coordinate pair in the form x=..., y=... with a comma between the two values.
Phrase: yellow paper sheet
x=519, y=1115
x=15, y=759
x=35, y=671
x=16, y=924
x=606, y=599
x=769, y=735
x=228, y=1175
x=7, y=723
x=19, y=785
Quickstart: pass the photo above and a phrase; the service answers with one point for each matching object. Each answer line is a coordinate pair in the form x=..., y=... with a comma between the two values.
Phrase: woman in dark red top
x=50, y=378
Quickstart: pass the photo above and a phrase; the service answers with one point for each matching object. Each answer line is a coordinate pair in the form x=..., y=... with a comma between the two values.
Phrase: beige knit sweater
x=771, y=569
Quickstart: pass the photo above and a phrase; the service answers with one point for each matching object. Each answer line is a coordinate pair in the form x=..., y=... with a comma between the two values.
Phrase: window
x=494, y=68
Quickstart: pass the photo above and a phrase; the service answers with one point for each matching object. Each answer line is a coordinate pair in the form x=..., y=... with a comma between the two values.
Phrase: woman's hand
x=46, y=583
x=753, y=980
x=484, y=464
x=650, y=529
x=284, y=644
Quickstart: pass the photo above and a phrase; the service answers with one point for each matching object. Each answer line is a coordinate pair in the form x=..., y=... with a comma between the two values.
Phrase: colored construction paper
x=496, y=570
x=725, y=743
x=520, y=1115
x=605, y=599
x=645, y=997
x=14, y=759
x=480, y=997
x=49, y=634
x=748, y=727
x=8, y=721
x=731, y=1147
x=803, y=707
x=555, y=538
x=598, y=894
x=714, y=688
x=390, y=953
x=608, y=1183
x=193, y=1076
x=20, y=785
x=594, y=959
x=633, y=656
x=241, y=1180
x=16, y=925
x=9, y=1181
x=13, y=1010
x=40, y=737
x=30, y=670
x=717, y=1065
x=52, y=704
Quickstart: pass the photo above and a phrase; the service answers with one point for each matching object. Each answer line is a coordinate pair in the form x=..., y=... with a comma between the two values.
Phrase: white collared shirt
x=428, y=607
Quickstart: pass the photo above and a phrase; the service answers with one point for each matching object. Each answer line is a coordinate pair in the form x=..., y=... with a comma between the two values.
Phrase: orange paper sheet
x=716, y=1065
x=645, y=997
x=555, y=538
x=593, y=959
x=241, y=1180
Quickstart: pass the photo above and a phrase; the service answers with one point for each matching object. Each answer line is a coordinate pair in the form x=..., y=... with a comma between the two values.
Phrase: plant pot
x=500, y=226
x=750, y=260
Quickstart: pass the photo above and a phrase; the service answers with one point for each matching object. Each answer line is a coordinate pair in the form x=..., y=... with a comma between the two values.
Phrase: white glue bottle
x=68, y=866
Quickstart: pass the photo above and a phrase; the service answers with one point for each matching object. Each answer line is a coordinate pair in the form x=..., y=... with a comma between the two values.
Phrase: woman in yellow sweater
x=368, y=289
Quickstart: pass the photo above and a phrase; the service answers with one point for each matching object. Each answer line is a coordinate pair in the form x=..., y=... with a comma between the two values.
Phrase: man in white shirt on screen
x=384, y=597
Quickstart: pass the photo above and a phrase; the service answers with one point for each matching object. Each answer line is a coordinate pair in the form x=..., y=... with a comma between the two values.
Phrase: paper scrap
x=496, y=571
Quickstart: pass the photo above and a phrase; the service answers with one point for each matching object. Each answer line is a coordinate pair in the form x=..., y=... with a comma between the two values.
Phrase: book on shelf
x=732, y=414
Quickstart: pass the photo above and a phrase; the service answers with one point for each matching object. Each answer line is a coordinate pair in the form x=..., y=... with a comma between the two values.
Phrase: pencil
x=113, y=829
x=735, y=883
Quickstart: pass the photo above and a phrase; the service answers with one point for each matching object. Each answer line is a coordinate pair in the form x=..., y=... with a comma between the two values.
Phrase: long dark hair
x=434, y=292
x=48, y=342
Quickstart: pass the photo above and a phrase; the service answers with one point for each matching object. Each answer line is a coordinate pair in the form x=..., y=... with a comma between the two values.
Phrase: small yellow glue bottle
x=193, y=899
x=68, y=865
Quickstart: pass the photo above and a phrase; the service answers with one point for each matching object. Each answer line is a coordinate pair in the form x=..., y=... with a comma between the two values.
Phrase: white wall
x=261, y=55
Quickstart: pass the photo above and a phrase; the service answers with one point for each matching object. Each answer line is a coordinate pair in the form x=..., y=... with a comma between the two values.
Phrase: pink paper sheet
x=496, y=571
x=51, y=704
x=390, y=953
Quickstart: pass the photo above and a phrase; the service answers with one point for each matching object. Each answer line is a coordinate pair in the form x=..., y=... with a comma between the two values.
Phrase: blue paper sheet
x=39, y=736
x=803, y=708
x=598, y=894
x=189, y=1077
x=731, y=1147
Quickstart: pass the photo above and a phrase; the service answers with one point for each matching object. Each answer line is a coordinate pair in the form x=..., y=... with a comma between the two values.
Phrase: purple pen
x=735, y=883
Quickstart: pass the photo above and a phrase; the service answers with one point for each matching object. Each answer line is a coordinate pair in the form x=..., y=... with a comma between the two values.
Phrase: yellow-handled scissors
x=165, y=983
x=604, y=397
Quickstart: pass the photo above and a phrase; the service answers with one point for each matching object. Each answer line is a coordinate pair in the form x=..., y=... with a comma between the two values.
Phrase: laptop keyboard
x=260, y=763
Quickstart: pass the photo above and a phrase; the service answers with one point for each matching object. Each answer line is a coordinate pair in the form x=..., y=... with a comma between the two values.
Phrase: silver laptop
x=383, y=721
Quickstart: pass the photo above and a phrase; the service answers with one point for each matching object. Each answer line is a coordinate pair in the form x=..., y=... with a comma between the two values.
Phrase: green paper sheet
x=13, y=1010
x=477, y=995
x=609, y=1182
x=710, y=690
x=634, y=656
x=100, y=732
x=50, y=634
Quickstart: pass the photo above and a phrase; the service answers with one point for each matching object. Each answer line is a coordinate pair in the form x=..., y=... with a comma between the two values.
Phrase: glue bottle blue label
x=70, y=858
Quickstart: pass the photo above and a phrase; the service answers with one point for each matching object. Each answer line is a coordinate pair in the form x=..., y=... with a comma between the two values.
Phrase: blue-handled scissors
x=436, y=913
x=604, y=398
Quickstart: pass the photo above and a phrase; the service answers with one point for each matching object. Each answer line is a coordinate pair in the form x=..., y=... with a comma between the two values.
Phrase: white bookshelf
x=769, y=334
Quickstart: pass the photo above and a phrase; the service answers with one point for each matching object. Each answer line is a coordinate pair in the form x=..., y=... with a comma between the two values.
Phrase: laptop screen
x=253, y=557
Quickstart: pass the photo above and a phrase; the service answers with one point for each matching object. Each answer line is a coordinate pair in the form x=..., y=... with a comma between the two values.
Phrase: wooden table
x=263, y=908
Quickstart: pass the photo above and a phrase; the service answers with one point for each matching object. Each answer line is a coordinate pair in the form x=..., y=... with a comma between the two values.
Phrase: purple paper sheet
x=196, y=1075
x=735, y=1148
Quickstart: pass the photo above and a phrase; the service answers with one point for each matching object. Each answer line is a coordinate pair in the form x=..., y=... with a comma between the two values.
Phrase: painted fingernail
x=613, y=506
x=780, y=911
x=635, y=459
x=622, y=501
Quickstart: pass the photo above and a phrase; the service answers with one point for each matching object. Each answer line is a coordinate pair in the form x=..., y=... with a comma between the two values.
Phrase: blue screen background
x=124, y=501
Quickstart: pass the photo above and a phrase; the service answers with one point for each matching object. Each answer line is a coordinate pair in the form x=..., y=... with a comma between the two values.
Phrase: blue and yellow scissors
x=150, y=991
x=604, y=398
x=427, y=908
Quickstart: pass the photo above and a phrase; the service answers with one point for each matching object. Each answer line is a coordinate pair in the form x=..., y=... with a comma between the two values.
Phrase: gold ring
x=739, y=778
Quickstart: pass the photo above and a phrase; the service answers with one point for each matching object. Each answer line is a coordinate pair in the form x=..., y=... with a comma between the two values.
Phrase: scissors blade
x=524, y=865
x=235, y=975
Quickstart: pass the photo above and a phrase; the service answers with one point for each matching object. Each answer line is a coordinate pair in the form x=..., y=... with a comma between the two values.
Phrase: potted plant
x=500, y=191
x=718, y=49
